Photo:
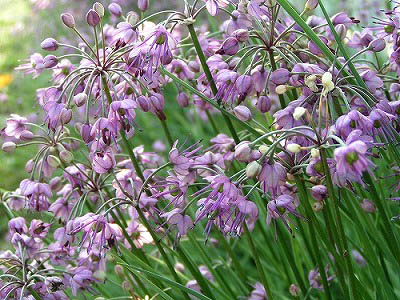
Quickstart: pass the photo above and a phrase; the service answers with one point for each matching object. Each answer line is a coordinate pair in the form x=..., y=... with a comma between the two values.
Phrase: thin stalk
x=341, y=234
x=139, y=172
x=257, y=260
x=317, y=254
x=210, y=78
x=167, y=133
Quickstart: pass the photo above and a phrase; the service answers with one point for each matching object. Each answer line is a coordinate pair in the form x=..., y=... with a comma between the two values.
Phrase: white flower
x=327, y=83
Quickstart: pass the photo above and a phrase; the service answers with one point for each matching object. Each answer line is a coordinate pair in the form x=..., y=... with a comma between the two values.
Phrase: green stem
x=210, y=78
x=341, y=234
x=317, y=254
x=274, y=67
x=139, y=172
x=257, y=260
x=167, y=133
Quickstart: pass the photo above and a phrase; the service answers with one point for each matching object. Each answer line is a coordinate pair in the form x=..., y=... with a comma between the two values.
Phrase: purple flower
x=213, y=6
x=271, y=177
x=81, y=279
x=352, y=160
x=38, y=194
x=280, y=207
x=15, y=126
x=314, y=277
x=35, y=66
x=103, y=161
x=258, y=293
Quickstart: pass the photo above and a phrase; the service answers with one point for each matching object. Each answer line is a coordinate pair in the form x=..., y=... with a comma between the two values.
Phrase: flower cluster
x=303, y=118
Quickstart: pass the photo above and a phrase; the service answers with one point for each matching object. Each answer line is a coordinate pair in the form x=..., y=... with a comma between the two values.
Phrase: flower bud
x=315, y=153
x=319, y=192
x=53, y=161
x=26, y=135
x=294, y=290
x=242, y=35
x=68, y=20
x=119, y=270
x=317, y=206
x=143, y=5
x=299, y=112
x=229, y=47
x=55, y=184
x=86, y=133
x=92, y=18
x=115, y=9
x=311, y=4
x=9, y=146
x=242, y=113
x=377, y=45
x=243, y=151
x=341, y=30
x=49, y=44
x=281, y=89
x=66, y=156
x=80, y=99
x=132, y=18
x=50, y=61
x=253, y=169
x=143, y=103
x=180, y=267
x=127, y=286
x=280, y=76
x=311, y=82
x=263, y=149
x=264, y=104
x=66, y=116
x=294, y=148
x=182, y=99
x=29, y=166
x=368, y=206
x=99, y=8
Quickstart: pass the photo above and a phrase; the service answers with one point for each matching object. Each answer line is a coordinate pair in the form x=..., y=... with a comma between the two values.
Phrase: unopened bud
x=377, y=45
x=294, y=148
x=55, y=184
x=80, y=99
x=263, y=149
x=92, y=18
x=119, y=270
x=68, y=20
x=315, y=153
x=50, y=61
x=180, y=267
x=242, y=35
x=318, y=206
x=99, y=8
x=299, y=112
x=253, y=169
x=143, y=5
x=242, y=113
x=9, y=146
x=341, y=30
x=311, y=4
x=132, y=18
x=49, y=44
x=368, y=206
x=29, y=166
x=294, y=290
x=115, y=9
x=281, y=89
x=66, y=116
x=53, y=161
x=66, y=156
x=26, y=135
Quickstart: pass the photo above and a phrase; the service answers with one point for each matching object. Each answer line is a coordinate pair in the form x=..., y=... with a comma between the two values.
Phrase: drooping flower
x=352, y=160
